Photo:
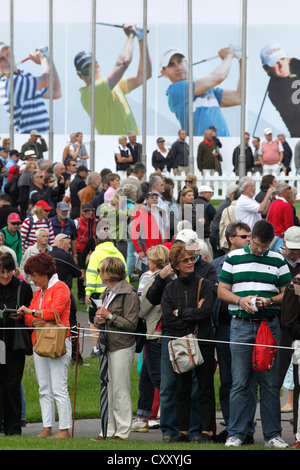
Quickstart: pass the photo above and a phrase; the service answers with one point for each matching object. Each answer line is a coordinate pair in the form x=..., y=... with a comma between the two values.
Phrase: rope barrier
x=96, y=335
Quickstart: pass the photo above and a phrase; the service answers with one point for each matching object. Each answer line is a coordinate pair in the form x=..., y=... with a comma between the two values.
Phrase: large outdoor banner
x=273, y=68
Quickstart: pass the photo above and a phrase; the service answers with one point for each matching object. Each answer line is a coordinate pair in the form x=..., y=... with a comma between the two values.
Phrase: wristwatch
x=272, y=301
x=33, y=312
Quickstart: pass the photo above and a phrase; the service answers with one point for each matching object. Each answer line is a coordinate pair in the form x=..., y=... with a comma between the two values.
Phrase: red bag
x=263, y=357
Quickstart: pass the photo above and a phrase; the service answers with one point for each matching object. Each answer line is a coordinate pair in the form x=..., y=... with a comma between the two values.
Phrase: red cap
x=44, y=205
x=14, y=217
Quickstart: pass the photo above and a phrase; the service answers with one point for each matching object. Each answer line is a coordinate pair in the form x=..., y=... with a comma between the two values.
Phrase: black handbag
x=140, y=339
x=22, y=334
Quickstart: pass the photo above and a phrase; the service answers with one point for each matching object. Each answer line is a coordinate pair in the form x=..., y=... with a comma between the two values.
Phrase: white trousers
x=119, y=397
x=271, y=169
x=52, y=377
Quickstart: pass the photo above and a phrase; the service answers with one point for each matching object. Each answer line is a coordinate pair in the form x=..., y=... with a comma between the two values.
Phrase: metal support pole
x=93, y=105
x=144, y=106
x=242, y=157
x=11, y=76
x=190, y=79
x=50, y=144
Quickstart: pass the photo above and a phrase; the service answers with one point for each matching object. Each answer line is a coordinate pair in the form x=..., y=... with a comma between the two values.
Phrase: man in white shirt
x=247, y=209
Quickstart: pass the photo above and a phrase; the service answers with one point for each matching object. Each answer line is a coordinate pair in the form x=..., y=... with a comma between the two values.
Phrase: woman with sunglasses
x=181, y=313
x=13, y=238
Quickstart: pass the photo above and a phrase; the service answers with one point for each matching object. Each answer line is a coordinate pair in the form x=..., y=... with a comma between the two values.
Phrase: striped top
x=29, y=106
x=29, y=238
x=249, y=274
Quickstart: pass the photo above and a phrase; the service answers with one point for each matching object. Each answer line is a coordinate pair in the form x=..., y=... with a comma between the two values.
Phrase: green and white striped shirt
x=249, y=274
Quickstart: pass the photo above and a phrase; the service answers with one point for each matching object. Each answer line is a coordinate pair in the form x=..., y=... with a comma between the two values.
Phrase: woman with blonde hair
x=119, y=313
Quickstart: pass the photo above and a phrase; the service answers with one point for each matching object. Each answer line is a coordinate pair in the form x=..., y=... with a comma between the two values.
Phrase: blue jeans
x=149, y=377
x=168, y=418
x=130, y=261
x=241, y=398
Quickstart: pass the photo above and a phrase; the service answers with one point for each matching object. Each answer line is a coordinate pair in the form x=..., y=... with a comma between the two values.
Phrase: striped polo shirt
x=29, y=236
x=249, y=274
x=29, y=106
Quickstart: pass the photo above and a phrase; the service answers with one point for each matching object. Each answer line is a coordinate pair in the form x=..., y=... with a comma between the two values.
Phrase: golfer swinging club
x=113, y=115
x=208, y=98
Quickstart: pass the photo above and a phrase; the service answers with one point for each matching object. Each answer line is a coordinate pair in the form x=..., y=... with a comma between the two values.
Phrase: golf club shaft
x=114, y=25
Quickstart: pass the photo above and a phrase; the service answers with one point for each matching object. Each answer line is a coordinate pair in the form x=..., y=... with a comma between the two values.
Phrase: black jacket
x=202, y=269
x=181, y=294
x=65, y=265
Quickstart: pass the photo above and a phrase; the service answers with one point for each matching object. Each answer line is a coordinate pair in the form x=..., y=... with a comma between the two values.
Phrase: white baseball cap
x=271, y=53
x=167, y=56
x=189, y=237
x=268, y=131
x=205, y=189
x=292, y=238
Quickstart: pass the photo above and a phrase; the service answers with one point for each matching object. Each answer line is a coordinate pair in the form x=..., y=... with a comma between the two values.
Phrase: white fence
x=219, y=183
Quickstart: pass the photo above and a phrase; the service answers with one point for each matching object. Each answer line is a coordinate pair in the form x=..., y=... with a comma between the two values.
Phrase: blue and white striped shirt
x=29, y=106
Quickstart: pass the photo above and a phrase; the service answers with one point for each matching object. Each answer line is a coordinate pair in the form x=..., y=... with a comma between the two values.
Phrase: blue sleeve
x=178, y=95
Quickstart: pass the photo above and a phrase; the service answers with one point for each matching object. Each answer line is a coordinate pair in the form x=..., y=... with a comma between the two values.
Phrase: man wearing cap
x=148, y=226
x=38, y=219
x=208, y=98
x=32, y=144
x=29, y=91
x=13, y=238
x=113, y=114
x=62, y=224
x=76, y=185
x=270, y=153
x=283, y=86
x=161, y=157
x=208, y=156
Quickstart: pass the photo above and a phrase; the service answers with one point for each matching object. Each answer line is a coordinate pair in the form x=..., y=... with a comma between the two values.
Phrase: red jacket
x=145, y=231
x=57, y=297
x=281, y=216
x=86, y=228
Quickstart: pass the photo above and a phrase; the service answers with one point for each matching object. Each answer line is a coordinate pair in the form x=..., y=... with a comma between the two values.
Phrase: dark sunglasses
x=189, y=181
x=16, y=223
x=242, y=236
x=186, y=260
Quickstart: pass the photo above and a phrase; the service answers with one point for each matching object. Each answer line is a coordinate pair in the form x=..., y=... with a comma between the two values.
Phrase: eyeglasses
x=42, y=176
x=189, y=181
x=263, y=248
x=186, y=260
x=15, y=223
x=287, y=188
x=242, y=236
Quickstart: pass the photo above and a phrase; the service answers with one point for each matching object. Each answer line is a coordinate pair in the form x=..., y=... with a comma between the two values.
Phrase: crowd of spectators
x=91, y=223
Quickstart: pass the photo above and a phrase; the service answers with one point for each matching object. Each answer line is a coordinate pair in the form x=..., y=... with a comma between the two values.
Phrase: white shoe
x=276, y=442
x=153, y=424
x=233, y=442
x=140, y=425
